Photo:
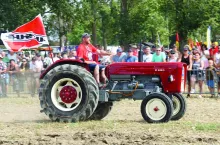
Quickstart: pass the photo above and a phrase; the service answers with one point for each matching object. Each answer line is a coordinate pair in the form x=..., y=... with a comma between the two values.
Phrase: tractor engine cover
x=168, y=75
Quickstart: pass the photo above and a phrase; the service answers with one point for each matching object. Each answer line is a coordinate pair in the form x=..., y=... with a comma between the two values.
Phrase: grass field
x=22, y=123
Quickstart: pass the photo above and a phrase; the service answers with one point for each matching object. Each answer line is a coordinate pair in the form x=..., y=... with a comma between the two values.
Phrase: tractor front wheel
x=157, y=108
x=179, y=105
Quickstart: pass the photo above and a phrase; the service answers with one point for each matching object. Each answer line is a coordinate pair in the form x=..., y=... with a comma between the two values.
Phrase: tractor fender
x=64, y=61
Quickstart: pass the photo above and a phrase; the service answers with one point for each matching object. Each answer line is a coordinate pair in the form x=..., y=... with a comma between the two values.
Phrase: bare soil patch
x=22, y=123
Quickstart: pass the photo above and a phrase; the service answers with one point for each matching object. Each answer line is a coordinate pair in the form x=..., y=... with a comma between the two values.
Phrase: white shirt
x=205, y=60
x=48, y=60
x=147, y=58
x=217, y=58
x=14, y=56
x=33, y=67
x=172, y=59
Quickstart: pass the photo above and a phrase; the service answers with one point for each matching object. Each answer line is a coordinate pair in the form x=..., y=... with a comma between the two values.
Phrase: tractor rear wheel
x=68, y=93
x=179, y=105
x=157, y=108
x=102, y=110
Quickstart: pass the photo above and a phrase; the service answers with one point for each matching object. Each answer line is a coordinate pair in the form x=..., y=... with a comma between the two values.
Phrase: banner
x=198, y=45
x=177, y=41
x=29, y=35
x=191, y=43
x=209, y=37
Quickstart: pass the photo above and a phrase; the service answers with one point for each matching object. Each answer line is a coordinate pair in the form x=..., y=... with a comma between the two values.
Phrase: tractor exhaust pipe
x=140, y=53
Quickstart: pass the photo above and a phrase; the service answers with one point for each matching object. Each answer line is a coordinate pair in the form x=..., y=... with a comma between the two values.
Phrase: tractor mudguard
x=64, y=61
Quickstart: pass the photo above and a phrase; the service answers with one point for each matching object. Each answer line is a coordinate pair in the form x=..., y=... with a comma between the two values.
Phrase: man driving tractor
x=85, y=51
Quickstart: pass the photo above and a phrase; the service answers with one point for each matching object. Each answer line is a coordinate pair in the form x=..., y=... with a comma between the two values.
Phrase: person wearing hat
x=187, y=58
x=153, y=49
x=119, y=57
x=131, y=57
x=3, y=69
x=213, y=50
x=147, y=57
x=134, y=48
x=172, y=57
x=85, y=52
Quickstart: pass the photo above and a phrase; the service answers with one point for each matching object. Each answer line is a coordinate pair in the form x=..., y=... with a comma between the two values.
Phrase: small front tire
x=179, y=105
x=157, y=108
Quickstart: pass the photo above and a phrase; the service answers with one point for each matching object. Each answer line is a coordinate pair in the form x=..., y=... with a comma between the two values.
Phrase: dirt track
x=22, y=123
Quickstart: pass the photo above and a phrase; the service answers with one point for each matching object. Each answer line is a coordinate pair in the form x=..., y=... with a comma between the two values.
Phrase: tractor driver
x=85, y=51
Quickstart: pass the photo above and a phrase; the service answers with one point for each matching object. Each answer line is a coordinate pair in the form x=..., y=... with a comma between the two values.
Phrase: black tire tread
x=92, y=87
x=182, y=111
x=102, y=110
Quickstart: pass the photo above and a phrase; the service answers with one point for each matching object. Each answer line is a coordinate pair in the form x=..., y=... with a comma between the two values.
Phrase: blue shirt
x=131, y=59
x=120, y=58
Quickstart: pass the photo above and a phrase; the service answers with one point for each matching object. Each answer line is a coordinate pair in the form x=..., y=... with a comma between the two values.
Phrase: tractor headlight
x=170, y=78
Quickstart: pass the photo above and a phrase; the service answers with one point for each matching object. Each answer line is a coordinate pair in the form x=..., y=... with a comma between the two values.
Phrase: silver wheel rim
x=156, y=109
x=176, y=105
x=55, y=94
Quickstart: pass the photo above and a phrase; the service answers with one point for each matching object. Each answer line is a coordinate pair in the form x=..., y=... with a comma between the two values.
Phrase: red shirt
x=86, y=51
x=135, y=53
x=212, y=51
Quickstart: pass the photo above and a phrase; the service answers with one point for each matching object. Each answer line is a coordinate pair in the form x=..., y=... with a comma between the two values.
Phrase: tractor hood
x=163, y=70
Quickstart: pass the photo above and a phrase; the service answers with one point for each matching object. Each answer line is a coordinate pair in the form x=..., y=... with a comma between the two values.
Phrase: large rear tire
x=102, y=110
x=179, y=105
x=157, y=108
x=68, y=93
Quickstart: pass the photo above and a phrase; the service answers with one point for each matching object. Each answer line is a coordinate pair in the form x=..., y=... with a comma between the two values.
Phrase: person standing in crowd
x=3, y=68
x=194, y=51
x=6, y=61
x=55, y=58
x=13, y=55
x=186, y=58
x=35, y=69
x=47, y=61
x=217, y=57
x=24, y=70
x=210, y=77
x=217, y=66
x=147, y=57
x=175, y=52
x=158, y=56
x=197, y=73
x=119, y=57
x=204, y=56
x=39, y=68
x=131, y=57
x=64, y=55
x=73, y=54
x=134, y=48
x=172, y=57
x=85, y=51
x=212, y=51
x=153, y=49
x=14, y=72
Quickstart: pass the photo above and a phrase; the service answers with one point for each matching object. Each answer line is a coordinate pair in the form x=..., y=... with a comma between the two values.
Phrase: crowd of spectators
x=20, y=67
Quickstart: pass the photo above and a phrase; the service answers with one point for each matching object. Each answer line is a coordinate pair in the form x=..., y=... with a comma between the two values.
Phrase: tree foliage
x=116, y=22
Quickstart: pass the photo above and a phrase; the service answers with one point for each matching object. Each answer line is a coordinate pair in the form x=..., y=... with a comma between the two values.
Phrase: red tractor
x=69, y=93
